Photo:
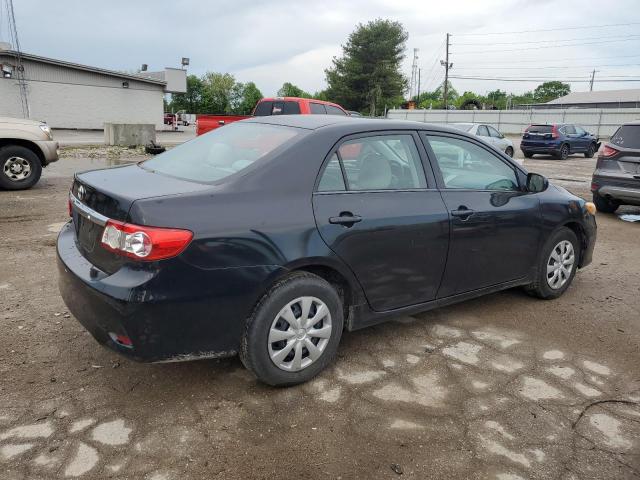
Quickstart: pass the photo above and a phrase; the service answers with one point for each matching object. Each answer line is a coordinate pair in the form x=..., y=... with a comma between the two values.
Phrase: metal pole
x=593, y=76
x=418, y=100
x=446, y=76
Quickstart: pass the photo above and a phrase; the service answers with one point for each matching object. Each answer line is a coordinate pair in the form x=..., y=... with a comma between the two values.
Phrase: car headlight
x=47, y=130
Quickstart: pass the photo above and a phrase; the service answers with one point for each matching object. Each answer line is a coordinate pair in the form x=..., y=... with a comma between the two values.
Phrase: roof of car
x=313, y=122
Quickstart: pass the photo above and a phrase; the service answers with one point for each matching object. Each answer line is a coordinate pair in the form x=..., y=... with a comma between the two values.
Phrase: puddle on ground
x=629, y=217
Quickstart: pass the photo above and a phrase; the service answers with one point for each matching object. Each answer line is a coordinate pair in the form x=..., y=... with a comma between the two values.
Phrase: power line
x=544, y=67
x=581, y=27
x=472, y=52
x=563, y=59
x=551, y=41
x=572, y=80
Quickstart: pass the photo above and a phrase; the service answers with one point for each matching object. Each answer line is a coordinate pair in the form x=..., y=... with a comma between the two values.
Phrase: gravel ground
x=504, y=387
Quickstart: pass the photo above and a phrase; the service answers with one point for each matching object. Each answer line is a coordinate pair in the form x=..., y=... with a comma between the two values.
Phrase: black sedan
x=272, y=235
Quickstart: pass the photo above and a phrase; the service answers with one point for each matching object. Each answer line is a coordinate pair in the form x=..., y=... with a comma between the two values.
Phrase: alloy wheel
x=560, y=264
x=299, y=334
x=17, y=168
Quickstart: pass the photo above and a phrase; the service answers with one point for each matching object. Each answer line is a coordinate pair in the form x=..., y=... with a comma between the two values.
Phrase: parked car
x=272, y=106
x=169, y=118
x=488, y=134
x=271, y=236
x=559, y=140
x=616, y=179
x=26, y=147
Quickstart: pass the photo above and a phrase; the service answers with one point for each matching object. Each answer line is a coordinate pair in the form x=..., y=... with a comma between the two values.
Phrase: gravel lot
x=505, y=387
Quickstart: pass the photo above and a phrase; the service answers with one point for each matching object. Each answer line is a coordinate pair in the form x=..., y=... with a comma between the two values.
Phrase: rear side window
x=263, y=109
x=291, y=108
x=569, y=130
x=331, y=110
x=332, y=179
x=382, y=162
x=627, y=136
x=317, y=109
x=540, y=129
x=482, y=131
x=222, y=152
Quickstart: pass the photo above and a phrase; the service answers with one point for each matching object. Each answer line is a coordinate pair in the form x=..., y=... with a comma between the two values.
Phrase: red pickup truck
x=272, y=106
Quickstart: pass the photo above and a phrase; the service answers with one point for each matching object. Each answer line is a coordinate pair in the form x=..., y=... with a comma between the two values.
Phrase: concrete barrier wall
x=601, y=122
x=128, y=134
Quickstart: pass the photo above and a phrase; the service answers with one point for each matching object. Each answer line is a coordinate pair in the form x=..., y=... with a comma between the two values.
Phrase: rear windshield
x=267, y=108
x=222, y=152
x=540, y=129
x=465, y=127
x=627, y=136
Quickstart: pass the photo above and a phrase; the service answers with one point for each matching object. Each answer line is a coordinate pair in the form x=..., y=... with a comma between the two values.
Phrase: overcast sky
x=271, y=42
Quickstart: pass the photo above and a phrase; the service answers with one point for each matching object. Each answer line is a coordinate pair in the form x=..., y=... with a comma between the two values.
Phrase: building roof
x=601, y=96
x=78, y=66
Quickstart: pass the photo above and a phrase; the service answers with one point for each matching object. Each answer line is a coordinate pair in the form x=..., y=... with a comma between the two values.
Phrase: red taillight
x=554, y=132
x=144, y=243
x=608, y=151
x=69, y=206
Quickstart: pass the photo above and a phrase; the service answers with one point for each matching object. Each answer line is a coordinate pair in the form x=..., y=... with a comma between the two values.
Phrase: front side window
x=465, y=165
x=569, y=130
x=317, y=109
x=494, y=133
x=222, y=152
x=383, y=162
x=580, y=130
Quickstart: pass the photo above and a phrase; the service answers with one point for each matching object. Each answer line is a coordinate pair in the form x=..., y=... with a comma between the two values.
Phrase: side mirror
x=536, y=183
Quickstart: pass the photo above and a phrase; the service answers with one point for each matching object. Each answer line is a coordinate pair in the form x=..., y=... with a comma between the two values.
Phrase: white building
x=69, y=95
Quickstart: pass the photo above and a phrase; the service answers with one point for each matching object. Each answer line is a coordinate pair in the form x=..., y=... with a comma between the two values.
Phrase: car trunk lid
x=101, y=195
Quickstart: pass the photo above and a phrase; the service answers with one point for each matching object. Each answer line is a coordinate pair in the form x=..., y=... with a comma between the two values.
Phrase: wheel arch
x=6, y=142
x=578, y=230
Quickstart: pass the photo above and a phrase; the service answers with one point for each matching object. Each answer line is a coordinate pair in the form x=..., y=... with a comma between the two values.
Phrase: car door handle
x=346, y=218
x=462, y=212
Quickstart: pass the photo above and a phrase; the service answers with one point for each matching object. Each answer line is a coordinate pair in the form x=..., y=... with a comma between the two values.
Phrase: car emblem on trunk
x=81, y=192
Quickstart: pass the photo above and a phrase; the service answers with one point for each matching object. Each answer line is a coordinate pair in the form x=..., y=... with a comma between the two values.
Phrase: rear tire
x=563, y=154
x=591, y=151
x=280, y=345
x=557, y=265
x=509, y=151
x=20, y=168
x=605, y=205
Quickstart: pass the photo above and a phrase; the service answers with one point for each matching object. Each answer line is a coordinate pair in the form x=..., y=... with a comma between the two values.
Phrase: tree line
x=367, y=78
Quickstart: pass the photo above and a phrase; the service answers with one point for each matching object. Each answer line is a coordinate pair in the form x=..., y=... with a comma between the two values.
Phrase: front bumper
x=49, y=150
x=590, y=234
x=170, y=311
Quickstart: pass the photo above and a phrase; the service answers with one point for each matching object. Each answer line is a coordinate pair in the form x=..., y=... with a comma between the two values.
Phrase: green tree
x=497, y=99
x=290, y=90
x=550, y=91
x=368, y=74
x=250, y=95
x=219, y=92
x=191, y=101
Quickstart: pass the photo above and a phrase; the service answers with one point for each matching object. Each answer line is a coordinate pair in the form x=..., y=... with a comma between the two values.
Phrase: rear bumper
x=540, y=147
x=169, y=311
x=49, y=150
x=625, y=189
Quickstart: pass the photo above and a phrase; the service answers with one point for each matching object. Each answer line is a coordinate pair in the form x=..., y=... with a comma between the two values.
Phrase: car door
x=483, y=132
x=575, y=143
x=582, y=138
x=497, y=139
x=495, y=224
x=378, y=211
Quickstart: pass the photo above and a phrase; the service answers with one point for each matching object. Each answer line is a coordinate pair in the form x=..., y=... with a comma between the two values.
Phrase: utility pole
x=447, y=66
x=414, y=74
x=593, y=76
x=418, y=97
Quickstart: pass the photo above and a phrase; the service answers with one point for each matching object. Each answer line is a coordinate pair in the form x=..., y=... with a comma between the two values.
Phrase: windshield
x=465, y=127
x=540, y=129
x=222, y=152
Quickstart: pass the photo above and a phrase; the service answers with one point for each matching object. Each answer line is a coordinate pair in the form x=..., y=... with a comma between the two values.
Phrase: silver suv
x=26, y=146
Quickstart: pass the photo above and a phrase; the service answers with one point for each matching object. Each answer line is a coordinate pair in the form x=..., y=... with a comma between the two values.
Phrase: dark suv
x=616, y=180
x=559, y=140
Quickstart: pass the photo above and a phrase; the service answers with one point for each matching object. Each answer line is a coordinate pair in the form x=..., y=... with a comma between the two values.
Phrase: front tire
x=604, y=204
x=509, y=151
x=20, y=168
x=527, y=154
x=294, y=330
x=591, y=151
x=557, y=265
